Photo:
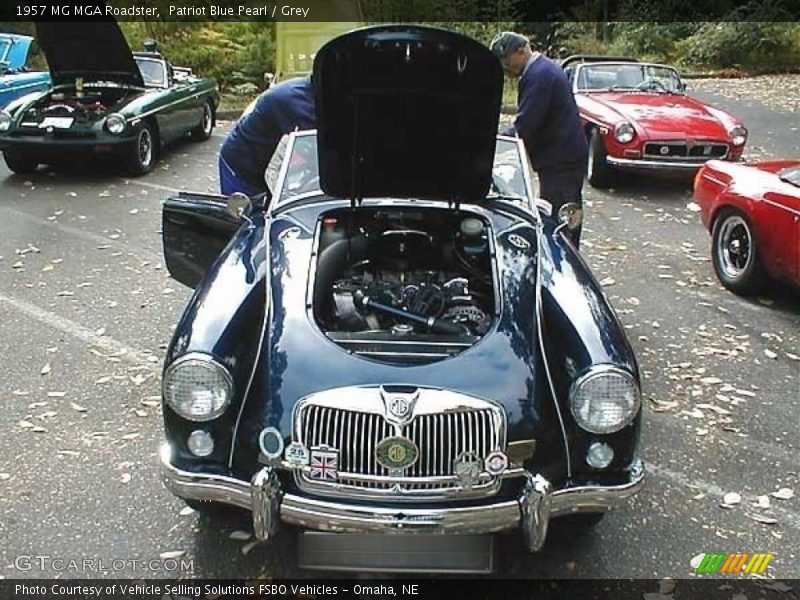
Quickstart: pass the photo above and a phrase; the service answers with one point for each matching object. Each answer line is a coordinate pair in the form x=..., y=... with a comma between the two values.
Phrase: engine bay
x=404, y=276
x=85, y=106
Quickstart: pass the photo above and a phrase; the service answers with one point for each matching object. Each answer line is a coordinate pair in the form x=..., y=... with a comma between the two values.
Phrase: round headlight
x=5, y=120
x=604, y=400
x=197, y=387
x=624, y=132
x=738, y=135
x=115, y=123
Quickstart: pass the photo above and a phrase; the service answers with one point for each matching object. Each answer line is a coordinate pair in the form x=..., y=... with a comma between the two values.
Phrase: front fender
x=581, y=331
x=223, y=319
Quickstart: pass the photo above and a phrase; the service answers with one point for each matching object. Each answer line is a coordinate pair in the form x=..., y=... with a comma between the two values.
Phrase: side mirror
x=237, y=204
x=570, y=215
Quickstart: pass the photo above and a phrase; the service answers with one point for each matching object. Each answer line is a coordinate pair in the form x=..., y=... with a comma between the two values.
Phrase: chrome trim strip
x=776, y=205
x=655, y=164
x=713, y=179
x=538, y=502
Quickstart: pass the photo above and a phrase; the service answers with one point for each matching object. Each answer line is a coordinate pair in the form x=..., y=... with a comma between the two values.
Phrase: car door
x=195, y=228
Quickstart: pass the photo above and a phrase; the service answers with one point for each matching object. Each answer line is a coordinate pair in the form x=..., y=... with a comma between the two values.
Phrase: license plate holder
x=396, y=553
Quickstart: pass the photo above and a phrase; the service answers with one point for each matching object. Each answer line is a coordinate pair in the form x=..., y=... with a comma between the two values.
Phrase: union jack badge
x=324, y=465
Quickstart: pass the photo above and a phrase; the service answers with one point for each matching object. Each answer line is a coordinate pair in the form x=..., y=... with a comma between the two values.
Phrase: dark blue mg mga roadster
x=400, y=352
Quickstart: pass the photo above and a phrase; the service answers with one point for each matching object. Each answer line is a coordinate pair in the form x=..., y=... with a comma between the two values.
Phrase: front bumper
x=666, y=166
x=537, y=503
x=48, y=145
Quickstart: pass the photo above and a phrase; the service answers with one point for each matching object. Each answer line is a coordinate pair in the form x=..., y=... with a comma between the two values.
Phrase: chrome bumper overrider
x=532, y=511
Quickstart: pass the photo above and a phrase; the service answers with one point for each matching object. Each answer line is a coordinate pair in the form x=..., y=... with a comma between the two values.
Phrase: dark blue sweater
x=547, y=118
x=252, y=142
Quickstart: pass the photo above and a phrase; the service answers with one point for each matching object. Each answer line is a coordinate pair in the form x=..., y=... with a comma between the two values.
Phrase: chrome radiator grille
x=440, y=433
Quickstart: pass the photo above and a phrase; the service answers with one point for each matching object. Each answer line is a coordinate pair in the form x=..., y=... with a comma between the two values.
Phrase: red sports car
x=637, y=116
x=753, y=213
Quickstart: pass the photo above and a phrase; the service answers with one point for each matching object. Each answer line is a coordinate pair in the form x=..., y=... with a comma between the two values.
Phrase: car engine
x=404, y=274
x=86, y=106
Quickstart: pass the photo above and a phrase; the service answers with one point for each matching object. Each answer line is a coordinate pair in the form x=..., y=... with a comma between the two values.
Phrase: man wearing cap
x=547, y=121
x=249, y=146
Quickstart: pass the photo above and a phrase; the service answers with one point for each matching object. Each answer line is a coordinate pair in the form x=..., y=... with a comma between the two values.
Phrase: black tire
x=22, y=164
x=142, y=156
x=598, y=172
x=734, y=253
x=203, y=131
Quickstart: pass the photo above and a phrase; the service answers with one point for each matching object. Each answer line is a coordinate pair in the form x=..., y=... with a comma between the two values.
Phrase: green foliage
x=751, y=46
x=232, y=53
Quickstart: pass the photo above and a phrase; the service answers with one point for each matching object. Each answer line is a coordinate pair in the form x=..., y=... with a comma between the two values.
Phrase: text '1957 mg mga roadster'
x=403, y=340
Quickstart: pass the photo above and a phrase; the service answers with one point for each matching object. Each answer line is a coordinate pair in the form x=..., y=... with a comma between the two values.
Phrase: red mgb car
x=637, y=116
x=753, y=214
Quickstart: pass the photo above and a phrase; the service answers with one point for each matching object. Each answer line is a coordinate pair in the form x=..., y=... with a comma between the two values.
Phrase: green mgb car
x=105, y=100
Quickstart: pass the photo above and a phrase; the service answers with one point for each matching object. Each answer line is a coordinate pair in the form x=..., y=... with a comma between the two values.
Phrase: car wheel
x=598, y=172
x=21, y=164
x=203, y=131
x=735, y=253
x=142, y=156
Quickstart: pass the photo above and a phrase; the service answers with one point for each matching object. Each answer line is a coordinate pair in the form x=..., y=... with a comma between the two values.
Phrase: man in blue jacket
x=547, y=120
x=248, y=148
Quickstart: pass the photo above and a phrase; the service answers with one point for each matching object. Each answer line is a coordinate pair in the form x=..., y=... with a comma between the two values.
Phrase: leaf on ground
x=186, y=511
x=732, y=498
x=783, y=494
x=171, y=554
x=763, y=519
x=241, y=536
x=77, y=407
x=56, y=394
x=45, y=369
x=769, y=353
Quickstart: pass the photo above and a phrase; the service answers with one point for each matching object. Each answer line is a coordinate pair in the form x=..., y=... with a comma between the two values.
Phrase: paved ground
x=87, y=308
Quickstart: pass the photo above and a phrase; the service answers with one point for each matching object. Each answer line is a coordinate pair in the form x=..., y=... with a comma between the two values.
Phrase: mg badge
x=467, y=467
x=296, y=455
x=399, y=406
x=396, y=453
x=324, y=463
x=664, y=150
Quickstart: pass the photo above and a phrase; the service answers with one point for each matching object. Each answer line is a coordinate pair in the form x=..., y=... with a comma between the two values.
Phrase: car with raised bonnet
x=16, y=77
x=638, y=117
x=104, y=101
x=403, y=339
x=753, y=214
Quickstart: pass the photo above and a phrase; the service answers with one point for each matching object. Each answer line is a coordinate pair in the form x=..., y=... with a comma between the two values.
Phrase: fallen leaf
x=762, y=501
x=186, y=511
x=608, y=281
x=783, y=494
x=732, y=498
x=77, y=407
x=697, y=560
x=769, y=353
x=45, y=369
x=125, y=478
x=239, y=535
x=56, y=394
x=247, y=547
x=171, y=554
x=130, y=436
x=5, y=476
x=763, y=519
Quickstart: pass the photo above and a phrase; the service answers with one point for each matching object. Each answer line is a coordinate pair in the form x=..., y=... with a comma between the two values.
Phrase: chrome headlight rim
x=208, y=360
x=593, y=373
x=118, y=119
x=624, y=132
x=5, y=121
x=738, y=135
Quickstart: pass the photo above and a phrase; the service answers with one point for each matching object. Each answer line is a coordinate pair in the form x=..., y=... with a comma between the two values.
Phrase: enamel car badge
x=467, y=467
x=396, y=453
x=297, y=455
x=324, y=463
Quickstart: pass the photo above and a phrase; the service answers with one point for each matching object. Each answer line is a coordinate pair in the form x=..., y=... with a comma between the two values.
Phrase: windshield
x=791, y=175
x=153, y=71
x=5, y=47
x=649, y=78
x=302, y=174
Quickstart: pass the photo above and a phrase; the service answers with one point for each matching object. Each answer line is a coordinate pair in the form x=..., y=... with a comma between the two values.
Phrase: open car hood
x=96, y=51
x=406, y=112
